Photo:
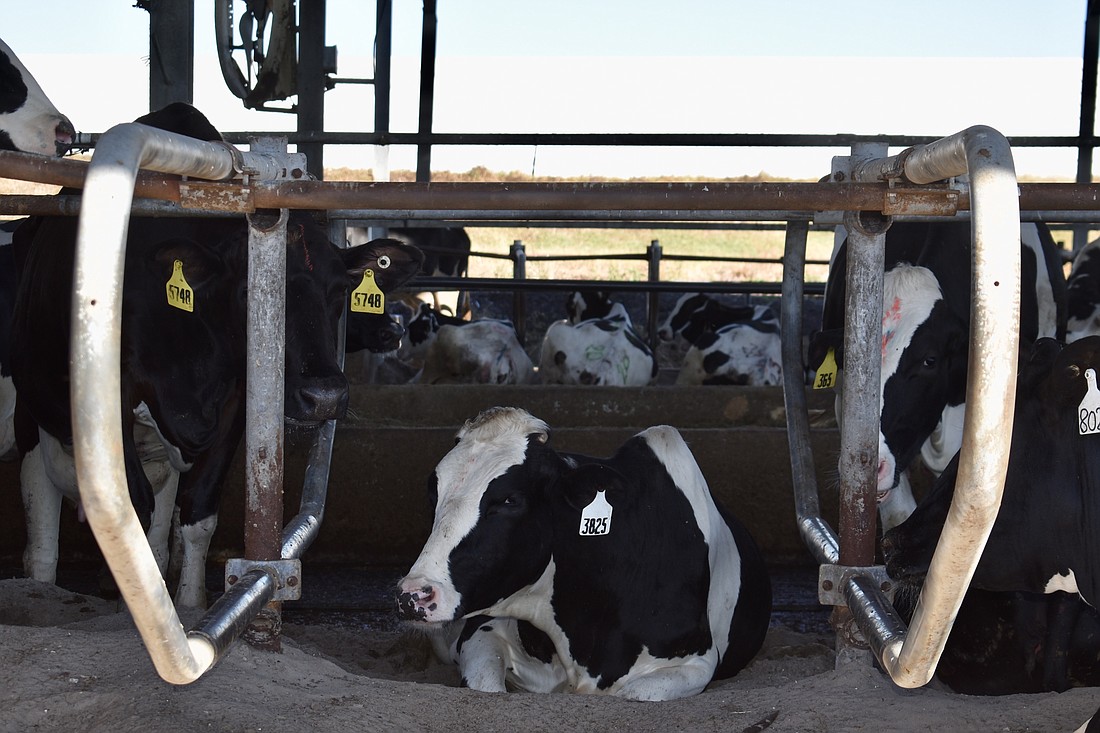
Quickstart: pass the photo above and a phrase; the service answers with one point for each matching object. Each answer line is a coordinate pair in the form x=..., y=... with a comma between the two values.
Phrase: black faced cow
x=742, y=353
x=639, y=584
x=584, y=305
x=1045, y=536
x=1083, y=293
x=926, y=336
x=182, y=370
x=28, y=120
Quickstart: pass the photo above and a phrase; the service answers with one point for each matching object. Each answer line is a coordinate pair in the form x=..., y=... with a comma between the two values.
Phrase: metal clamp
x=831, y=580
x=287, y=574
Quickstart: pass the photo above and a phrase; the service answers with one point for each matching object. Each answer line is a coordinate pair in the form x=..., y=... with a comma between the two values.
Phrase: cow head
x=1048, y=507
x=319, y=278
x=695, y=314
x=28, y=119
x=491, y=532
x=924, y=352
x=583, y=305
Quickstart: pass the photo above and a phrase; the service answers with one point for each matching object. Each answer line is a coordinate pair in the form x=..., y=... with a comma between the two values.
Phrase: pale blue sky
x=868, y=66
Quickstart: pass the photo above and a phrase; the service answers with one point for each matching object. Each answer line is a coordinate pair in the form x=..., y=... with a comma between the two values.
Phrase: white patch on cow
x=493, y=660
x=190, y=545
x=908, y=295
x=33, y=127
x=755, y=355
x=479, y=352
x=945, y=440
x=486, y=448
x=596, y=352
x=1067, y=583
x=1044, y=291
x=148, y=449
x=895, y=506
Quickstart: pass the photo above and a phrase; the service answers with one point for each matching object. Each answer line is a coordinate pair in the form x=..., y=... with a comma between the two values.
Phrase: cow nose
x=320, y=399
x=413, y=605
x=63, y=136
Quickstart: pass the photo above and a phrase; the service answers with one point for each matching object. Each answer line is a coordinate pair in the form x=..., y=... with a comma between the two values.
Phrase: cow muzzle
x=422, y=601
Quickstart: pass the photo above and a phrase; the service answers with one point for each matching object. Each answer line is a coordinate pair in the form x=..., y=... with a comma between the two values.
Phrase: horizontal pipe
x=420, y=284
x=230, y=615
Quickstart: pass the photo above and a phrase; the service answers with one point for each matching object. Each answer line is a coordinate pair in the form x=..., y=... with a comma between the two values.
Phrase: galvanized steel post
x=653, y=302
x=519, y=299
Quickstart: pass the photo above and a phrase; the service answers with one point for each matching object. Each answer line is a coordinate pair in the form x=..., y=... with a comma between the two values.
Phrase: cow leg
x=670, y=682
x=42, y=505
x=493, y=656
x=165, y=483
x=191, y=546
x=8, y=450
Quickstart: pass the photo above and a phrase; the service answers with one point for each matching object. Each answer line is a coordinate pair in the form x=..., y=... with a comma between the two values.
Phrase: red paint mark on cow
x=890, y=319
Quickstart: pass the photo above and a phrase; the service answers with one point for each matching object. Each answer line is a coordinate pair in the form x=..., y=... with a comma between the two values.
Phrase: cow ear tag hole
x=826, y=373
x=596, y=517
x=180, y=294
x=367, y=298
x=1088, y=412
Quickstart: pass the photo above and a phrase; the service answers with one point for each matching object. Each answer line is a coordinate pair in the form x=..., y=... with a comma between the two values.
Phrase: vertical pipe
x=171, y=52
x=311, y=81
x=816, y=533
x=265, y=404
x=1088, y=108
x=653, y=302
x=427, y=91
x=519, y=300
x=383, y=45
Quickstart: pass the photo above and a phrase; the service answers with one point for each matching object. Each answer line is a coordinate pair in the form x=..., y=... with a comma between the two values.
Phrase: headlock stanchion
x=892, y=186
x=910, y=656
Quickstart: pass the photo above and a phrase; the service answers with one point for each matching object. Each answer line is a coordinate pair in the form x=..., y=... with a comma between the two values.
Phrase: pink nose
x=414, y=604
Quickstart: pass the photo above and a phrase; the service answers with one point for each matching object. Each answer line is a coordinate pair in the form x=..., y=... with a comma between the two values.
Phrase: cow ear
x=579, y=486
x=821, y=342
x=392, y=261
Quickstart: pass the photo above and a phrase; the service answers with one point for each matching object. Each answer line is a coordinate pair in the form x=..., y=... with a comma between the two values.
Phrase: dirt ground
x=74, y=662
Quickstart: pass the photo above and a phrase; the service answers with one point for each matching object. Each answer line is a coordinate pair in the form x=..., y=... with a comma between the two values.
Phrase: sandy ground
x=73, y=662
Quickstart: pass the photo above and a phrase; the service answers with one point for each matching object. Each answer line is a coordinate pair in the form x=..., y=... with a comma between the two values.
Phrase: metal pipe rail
x=910, y=657
x=178, y=657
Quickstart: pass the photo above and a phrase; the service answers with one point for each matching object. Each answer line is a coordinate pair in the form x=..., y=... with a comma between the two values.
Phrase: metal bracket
x=287, y=573
x=831, y=580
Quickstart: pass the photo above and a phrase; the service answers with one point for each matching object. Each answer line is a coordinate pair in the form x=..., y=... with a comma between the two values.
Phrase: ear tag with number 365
x=596, y=517
x=367, y=298
x=1088, y=412
x=180, y=294
x=826, y=373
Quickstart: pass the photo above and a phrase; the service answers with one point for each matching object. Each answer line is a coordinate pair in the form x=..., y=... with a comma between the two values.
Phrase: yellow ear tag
x=180, y=294
x=826, y=373
x=367, y=298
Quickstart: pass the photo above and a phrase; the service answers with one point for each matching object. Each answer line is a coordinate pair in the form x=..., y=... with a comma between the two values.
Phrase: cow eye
x=384, y=262
x=929, y=362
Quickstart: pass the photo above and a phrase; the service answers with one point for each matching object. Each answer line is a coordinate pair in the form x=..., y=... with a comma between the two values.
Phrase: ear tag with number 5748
x=826, y=373
x=180, y=294
x=1088, y=412
x=596, y=517
x=367, y=298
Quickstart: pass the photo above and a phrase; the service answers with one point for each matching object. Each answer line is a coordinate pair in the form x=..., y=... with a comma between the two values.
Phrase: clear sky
x=865, y=66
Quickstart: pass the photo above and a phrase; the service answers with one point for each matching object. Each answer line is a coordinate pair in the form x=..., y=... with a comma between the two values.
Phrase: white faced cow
x=601, y=351
x=485, y=351
x=926, y=339
x=621, y=574
x=29, y=122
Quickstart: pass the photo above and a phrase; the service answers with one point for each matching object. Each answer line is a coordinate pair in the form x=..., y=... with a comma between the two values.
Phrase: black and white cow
x=743, y=353
x=182, y=371
x=601, y=351
x=926, y=339
x=29, y=122
x=697, y=313
x=1044, y=539
x=620, y=575
x=584, y=305
x=1083, y=293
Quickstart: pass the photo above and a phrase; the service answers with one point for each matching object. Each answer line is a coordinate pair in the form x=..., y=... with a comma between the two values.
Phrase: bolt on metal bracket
x=287, y=574
x=832, y=578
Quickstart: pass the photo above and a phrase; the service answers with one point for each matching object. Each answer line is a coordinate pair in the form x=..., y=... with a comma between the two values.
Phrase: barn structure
x=373, y=508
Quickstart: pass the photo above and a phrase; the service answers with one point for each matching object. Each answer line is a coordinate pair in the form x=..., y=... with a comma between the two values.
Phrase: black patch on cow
x=13, y=93
x=713, y=361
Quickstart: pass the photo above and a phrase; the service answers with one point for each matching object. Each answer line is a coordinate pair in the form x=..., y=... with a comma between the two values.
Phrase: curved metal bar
x=95, y=371
x=984, y=154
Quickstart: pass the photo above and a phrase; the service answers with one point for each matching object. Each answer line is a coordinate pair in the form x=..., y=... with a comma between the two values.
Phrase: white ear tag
x=596, y=517
x=1088, y=413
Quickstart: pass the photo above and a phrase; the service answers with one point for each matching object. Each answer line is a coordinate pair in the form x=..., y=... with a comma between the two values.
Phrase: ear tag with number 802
x=826, y=373
x=596, y=517
x=180, y=294
x=367, y=298
x=1088, y=412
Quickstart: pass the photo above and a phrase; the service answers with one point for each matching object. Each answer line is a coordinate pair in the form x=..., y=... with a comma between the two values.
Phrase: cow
x=183, y=371
x=584, y=305
x=1044, y=538
x=29, y=122
x=746, y=353
x=622, y=574
x=926, y=338
x=1083, y=293
x=696, y=313
x=485, y=351
x=601, y=351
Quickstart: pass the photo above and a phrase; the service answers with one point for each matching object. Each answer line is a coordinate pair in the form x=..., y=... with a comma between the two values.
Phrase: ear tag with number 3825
x=1088, y=412
x=180, y=294
x=367, y=298
x=596, y=517
x=826, y=373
